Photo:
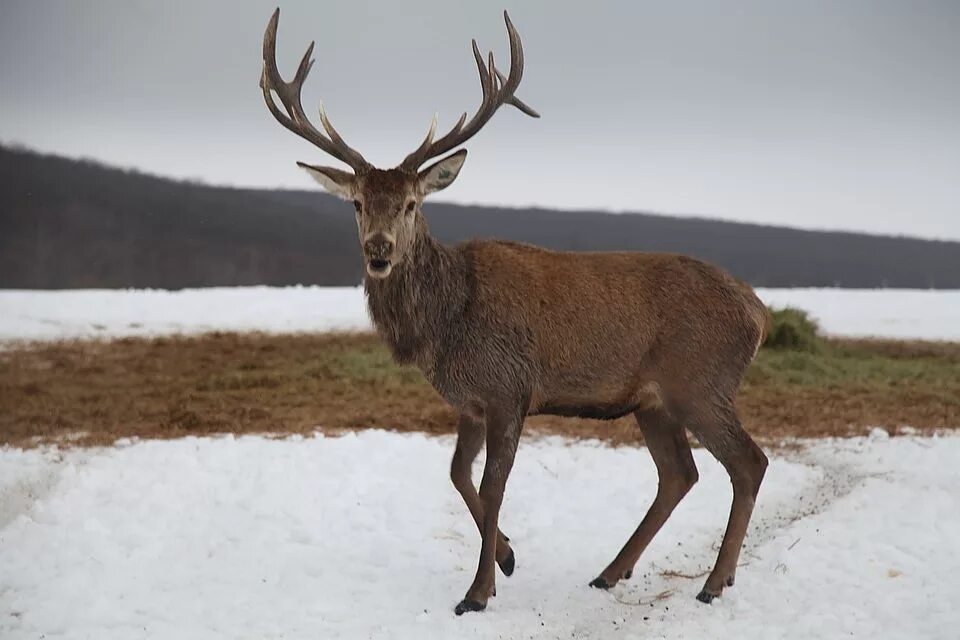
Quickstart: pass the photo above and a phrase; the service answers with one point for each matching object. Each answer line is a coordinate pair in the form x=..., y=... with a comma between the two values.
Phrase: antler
x=497, y=90
x=289, y=93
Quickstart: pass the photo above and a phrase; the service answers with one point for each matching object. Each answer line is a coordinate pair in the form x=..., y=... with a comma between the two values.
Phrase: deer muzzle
x=378, y=249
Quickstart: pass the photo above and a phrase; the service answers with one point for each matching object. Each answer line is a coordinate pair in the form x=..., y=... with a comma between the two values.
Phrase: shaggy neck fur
x=421, y=302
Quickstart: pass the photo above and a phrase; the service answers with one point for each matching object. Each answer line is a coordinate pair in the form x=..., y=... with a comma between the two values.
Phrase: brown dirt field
x=88, y=392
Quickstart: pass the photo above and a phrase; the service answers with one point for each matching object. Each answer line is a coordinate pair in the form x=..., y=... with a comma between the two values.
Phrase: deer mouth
x=379, y=268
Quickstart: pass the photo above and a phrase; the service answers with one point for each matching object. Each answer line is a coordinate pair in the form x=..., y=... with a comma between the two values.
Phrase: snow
x=50, y=315
x=84, y=313
x=362, y=536
x=882, y=313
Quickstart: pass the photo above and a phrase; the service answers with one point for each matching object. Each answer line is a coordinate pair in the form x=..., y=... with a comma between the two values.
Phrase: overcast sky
x=812, y=114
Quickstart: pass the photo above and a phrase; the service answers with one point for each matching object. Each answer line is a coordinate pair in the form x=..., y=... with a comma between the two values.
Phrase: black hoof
x=509, y=564
x=600, y=583
x=628, y=574
x=706, y=597
x=468, y=605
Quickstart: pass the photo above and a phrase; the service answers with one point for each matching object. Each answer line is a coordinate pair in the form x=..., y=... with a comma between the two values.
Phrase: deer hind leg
x=746, y=464
x=470, y=437
x=667, y=442
x=503, y=434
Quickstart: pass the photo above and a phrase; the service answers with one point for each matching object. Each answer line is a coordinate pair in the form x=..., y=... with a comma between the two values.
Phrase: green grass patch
x=851, y=363
x=373, y=364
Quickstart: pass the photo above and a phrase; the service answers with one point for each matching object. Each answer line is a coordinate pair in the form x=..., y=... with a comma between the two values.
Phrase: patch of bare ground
x=92, y=392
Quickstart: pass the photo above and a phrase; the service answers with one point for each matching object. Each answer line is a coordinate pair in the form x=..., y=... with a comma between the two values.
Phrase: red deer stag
x=505, y=330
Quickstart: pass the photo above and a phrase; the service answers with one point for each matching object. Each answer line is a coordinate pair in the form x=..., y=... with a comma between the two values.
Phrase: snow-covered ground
x=48, y=315
x=81, y=313
x=363, y=537
x=879, y=313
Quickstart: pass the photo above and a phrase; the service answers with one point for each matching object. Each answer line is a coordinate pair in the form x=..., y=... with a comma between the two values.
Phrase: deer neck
x=415, y=307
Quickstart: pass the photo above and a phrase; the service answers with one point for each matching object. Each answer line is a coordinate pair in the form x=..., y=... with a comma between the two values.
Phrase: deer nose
x=378, y=245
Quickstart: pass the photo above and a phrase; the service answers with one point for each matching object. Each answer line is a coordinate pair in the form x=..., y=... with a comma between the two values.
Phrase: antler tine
x=514, y=101
x=483, y=71
x=491, y=73
x=306, y=63
x=497, y=90
x=516, y=54
x=427, y=141
x=289, y=94
x=328, y=127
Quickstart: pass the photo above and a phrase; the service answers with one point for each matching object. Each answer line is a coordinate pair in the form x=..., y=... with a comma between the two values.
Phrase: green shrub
x=794, y=330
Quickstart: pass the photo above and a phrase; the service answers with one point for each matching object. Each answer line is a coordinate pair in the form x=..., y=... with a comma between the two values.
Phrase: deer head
x=388, y=201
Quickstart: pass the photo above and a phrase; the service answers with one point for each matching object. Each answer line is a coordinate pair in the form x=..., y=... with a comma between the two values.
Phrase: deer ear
x=442, y=173
x=337, y=182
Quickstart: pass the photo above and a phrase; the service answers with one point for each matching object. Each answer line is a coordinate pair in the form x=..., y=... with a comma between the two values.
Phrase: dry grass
x=96, y=392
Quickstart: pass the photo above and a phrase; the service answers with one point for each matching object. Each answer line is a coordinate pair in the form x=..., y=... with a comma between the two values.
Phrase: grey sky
x=813, y=114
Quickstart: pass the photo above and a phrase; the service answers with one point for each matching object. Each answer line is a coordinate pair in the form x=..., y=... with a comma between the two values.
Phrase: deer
x=504, y=330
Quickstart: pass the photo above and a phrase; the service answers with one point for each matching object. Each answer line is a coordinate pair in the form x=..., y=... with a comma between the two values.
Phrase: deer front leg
x=470, y=434
x=503, y=434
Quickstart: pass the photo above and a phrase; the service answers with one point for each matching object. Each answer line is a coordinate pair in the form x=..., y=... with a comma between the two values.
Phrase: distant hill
x=68, y=224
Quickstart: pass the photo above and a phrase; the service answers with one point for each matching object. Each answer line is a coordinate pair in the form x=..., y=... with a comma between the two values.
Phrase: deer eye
x=357, y=205
x=411, y=206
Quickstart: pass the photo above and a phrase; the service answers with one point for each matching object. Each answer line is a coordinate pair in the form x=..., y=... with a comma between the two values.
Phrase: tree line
x=70, y=224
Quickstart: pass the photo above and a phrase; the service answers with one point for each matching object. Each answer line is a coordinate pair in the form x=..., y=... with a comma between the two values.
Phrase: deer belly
x=601, y=402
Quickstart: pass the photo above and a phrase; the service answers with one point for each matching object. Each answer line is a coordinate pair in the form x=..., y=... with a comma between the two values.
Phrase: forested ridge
x=67, y=224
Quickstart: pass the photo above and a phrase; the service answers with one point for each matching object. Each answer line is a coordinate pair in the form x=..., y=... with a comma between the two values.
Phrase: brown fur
x=489, y=316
